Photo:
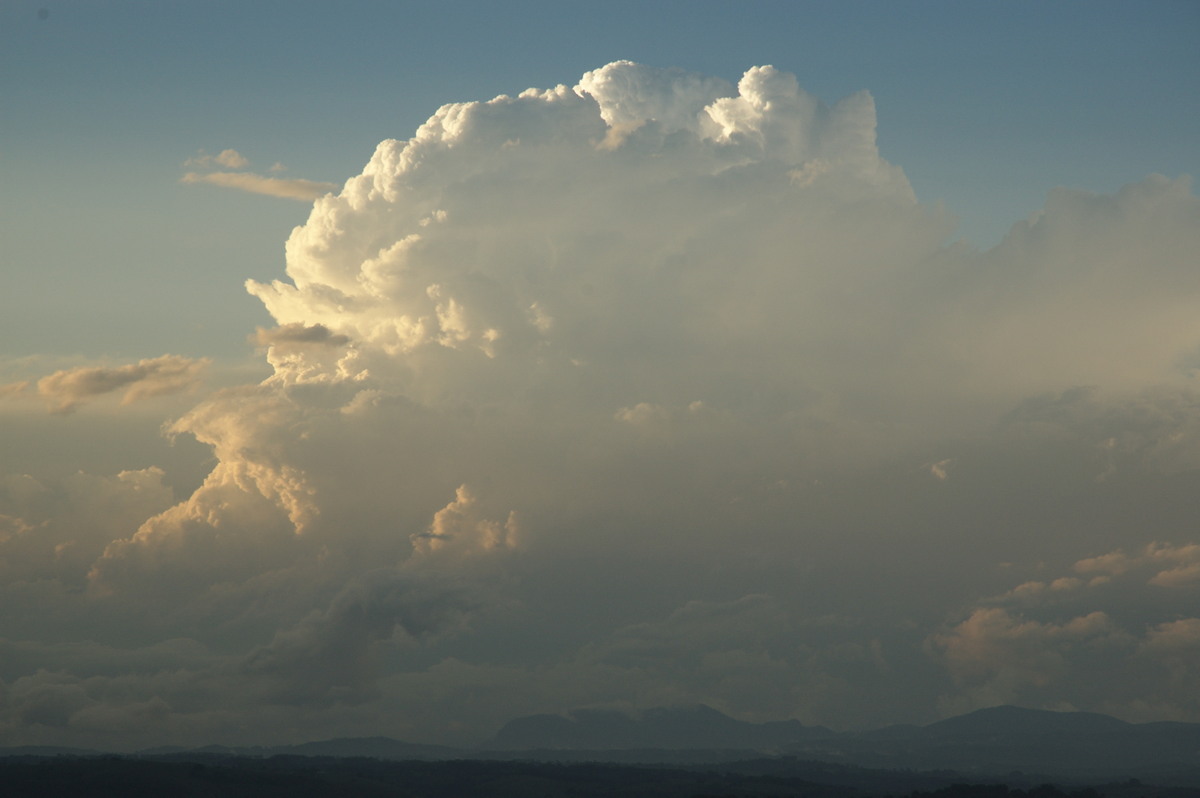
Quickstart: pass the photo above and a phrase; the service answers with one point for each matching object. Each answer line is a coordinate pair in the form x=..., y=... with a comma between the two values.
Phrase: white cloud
x=457, y=527
x=211, y=167
x=286, y=188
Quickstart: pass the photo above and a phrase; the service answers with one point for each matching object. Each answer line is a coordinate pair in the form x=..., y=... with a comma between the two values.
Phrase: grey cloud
x=337, y=649
x=56, y=529
x=67, y=389
x=299, y=334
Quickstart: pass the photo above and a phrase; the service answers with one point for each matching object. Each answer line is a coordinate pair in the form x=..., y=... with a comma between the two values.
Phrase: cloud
x=427, y=285
x=336, y=649
x=293, y=188
x=299, y=334
x=1161, y=564
x=941, y=469
x=998, y=658
x=457, y=527
x=13, y=389
x=286, y=188
x=52, y=530
x=1100, y=639
x=67, y=389
x=231, y=159
x=647, y=390
x=228, y=158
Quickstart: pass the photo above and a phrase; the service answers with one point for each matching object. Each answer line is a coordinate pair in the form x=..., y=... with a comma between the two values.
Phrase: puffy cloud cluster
x=518, y=230
x=1107, y=635
x=648, y=390
x=1171, y=566
x=55, y=530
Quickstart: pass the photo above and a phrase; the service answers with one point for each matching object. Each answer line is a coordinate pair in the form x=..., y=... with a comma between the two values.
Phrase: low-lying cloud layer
x=650, y=390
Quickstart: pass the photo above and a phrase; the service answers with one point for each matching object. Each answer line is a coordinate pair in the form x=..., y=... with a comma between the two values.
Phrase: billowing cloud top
x=557, y=229
x=650, y=390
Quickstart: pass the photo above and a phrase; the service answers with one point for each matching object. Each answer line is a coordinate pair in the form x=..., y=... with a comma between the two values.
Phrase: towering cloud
x=652, y=390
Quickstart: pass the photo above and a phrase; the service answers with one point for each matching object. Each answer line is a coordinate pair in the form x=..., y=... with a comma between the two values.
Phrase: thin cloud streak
x=285, y=188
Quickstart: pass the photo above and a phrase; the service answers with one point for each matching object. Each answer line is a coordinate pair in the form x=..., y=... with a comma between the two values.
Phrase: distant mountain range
x=675, y=728
x=1004, y=739
x=997, y=741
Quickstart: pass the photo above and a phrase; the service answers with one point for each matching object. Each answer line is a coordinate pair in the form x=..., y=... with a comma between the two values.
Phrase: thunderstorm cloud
x=644, y=391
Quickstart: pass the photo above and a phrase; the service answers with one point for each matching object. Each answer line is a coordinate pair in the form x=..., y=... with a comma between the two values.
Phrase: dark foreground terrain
x=681, y=752
x=295, y=777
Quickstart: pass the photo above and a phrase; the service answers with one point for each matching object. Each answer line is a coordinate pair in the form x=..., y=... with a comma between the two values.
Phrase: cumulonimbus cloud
x=707, y=346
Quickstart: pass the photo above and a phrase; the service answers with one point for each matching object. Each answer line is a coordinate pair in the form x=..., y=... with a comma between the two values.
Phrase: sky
x=400, y=369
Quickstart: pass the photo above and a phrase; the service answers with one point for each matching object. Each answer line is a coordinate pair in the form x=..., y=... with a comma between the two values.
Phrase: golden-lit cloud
x=293, y=188
x=227, y=170
x=67, y=389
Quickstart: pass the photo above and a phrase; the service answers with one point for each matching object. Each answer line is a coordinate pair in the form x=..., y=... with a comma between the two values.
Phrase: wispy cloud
x=13, y=388
x=295, y=188
x=204, y=169
x=230, y=159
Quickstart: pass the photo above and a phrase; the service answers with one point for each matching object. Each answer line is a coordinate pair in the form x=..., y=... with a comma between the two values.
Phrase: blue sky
x=659, y=384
